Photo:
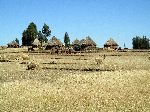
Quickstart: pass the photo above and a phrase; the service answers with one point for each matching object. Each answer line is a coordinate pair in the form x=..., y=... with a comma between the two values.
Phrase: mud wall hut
x=53, y=43
x=13, y=44
x=87, y=43
x=111, y=44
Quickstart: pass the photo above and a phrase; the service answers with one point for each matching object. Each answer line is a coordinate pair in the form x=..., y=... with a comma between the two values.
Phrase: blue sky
x=99, y=19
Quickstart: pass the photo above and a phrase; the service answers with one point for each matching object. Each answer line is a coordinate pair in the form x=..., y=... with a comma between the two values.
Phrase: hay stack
x=25, y=57
x=13, y=57
x=32, y=65
x=99, y=61
x=4, y=58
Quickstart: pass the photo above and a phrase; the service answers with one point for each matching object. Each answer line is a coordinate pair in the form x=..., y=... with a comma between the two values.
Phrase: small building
x=53, y=43
x=13, y=44
x=36, y=43
x=111, y=44
x=87, y=43
x=75, y=42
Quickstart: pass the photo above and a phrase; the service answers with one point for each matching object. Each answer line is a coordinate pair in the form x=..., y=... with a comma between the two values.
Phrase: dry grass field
x=74, y=83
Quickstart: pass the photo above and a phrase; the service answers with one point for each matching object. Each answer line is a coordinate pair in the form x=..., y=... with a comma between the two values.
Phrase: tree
x=24, y=38
x=46, y=31
x=29, y=34
x=67, y=40
x=41, y=37
x=140, y=43
x=16, y=40
x=124, y=45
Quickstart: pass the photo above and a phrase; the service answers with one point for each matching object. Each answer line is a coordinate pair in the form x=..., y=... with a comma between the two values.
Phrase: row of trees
x=140, y=42
x=31, y=33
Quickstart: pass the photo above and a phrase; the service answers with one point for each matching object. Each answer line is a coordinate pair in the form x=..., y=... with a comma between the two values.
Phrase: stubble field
x=78, y=82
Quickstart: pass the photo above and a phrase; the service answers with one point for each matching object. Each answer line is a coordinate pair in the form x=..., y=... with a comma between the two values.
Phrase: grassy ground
x=64, y=84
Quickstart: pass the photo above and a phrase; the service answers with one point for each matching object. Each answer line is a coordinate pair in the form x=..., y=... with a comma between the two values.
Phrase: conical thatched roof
x=75, y=42
x=88, y=41
x=13, y=43
x=36, y=42
x=54, y=42
x=82, y=42
x=110, y=42
x=50, y=43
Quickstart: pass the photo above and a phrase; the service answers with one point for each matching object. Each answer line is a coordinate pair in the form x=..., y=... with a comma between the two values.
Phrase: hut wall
x=110, y=47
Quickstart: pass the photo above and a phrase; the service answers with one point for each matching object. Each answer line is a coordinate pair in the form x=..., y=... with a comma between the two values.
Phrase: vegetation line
x=73, y=69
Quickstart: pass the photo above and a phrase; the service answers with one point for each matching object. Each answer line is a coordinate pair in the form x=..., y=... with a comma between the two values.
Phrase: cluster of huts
x=77, y=45
x=13, y=44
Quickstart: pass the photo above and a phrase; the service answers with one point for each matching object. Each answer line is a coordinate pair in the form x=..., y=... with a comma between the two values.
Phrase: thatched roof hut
x=111, y=44
x=13, y=44
x=56, y=41
x=36, y=43
x=76, y=42
x=53, y=42
x=87, y=43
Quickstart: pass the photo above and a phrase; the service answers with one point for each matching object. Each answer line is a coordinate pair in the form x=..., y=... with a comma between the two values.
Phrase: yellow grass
x=125, y=88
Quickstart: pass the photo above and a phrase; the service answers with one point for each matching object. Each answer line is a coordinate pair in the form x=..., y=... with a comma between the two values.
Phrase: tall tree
x=140, y=42
x=16, y=40
x=46, y=31
x=41, y=37
x=29, y=34
x=24, y=38
x=67, y=40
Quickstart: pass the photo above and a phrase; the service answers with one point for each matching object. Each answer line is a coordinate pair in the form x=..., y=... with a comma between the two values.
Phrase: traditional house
x=111, y=44
x=13, y=44
x=75, y=42
x=53, y=43
x=87, y=43
x=36, y=43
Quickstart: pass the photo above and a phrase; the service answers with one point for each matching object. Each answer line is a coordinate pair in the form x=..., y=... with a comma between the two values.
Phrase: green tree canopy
x=29, y=34
x=46, y=31
x=67, y=40
x=140, y=42
x=24, y=38
x=16, y=40
x=41, y=38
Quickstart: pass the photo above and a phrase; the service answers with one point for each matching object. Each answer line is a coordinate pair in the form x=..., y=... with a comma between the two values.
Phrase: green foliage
x=67, y=40
x=16, y=40
x=29, y=34
x=46, y=31
x=24, y=38
x=140, y=43
x=77, y=48
x=41, y=37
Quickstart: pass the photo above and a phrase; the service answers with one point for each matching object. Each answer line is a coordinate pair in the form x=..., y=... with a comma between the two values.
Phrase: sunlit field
x=74, y=82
